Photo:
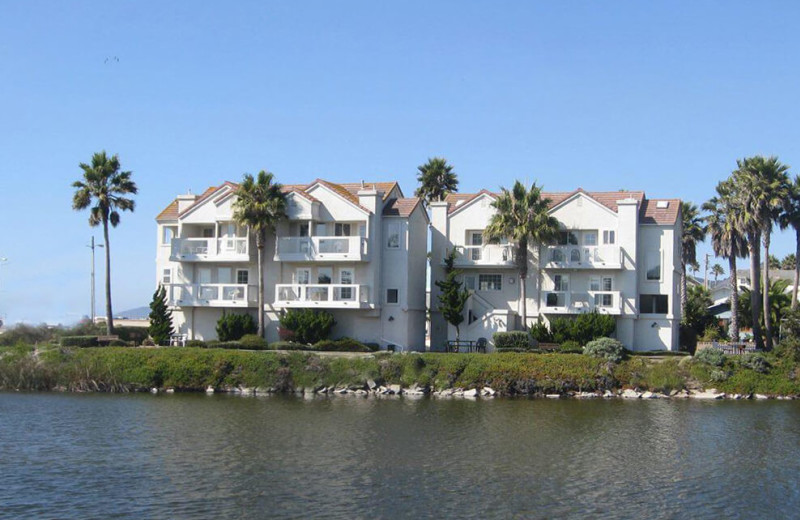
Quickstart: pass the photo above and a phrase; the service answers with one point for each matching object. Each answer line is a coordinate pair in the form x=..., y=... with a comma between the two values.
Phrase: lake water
x=197, y=456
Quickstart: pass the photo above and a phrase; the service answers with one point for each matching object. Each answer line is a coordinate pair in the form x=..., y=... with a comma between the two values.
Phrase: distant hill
x=139, y=313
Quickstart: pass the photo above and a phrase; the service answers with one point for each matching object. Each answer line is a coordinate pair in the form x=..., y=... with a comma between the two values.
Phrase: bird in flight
x=111, y=59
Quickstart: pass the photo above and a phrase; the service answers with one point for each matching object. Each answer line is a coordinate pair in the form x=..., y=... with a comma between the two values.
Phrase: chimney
x=184, y=201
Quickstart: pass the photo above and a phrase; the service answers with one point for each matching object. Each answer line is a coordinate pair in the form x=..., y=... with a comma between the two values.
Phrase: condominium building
x=356, y=250
x=618, y=253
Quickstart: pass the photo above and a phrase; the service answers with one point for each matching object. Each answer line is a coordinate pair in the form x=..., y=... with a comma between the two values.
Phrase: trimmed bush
x=308, y=325
x=288, y=345
x=605, y=348
x=341, y=345
x=570, y=347
x=711, y=356
x=79, y=341
x=231, y=327
x=196, y=343
x=253, y=342
x=541, y=333
x=754, y=361
x=515, y=339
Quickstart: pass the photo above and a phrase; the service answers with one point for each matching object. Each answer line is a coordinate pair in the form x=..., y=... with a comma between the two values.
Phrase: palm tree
x=779, y=303
x=693, y=232
x=521, y=217
x=791, y=217
x=763, y=186
x=717, y=270
x=727, y=240
x=787, y=264
x=436, y=180
x=106, y=186
x=260, y=204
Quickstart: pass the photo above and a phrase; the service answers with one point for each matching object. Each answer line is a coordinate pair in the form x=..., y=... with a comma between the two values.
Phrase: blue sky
x=658, y=96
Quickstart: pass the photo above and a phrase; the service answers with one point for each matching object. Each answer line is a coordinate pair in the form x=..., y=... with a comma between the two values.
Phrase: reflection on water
x=185, y=456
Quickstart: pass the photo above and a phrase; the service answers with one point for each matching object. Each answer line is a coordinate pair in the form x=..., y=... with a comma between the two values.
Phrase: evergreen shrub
x=605, y=348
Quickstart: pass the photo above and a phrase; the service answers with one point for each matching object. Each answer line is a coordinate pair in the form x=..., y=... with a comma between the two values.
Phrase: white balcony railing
x=322, y=295
x=212, y=295
x=582, y=257
x=565, y=302
x=321, y=248
x=235, y=249
x=496, y=255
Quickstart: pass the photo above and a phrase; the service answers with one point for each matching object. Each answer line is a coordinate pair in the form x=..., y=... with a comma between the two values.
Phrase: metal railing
x=487, y=254
x=321, y=248
x=336, y=295
x=212, y=295
x=576, y=257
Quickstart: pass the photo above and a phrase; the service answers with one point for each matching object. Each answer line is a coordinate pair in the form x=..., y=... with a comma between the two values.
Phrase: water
x=197, y=456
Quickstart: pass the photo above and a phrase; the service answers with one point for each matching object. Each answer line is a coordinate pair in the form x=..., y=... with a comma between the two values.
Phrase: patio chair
x=481, y=344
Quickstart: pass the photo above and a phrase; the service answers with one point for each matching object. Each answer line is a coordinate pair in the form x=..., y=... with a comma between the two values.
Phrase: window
x=324, y=275
x=603, y=300
x=341, y=230
x=224, y=275
x=393, y=236
x=392, y=296
x=609, y=237
x=561, y=282
x=166, y=276
x=346, y=278
x=475, y=238
x=208, y=232
x=303, y=276
x=653, y=303
x=242, y=276
x=575, y=256
x=558, y=255
x=590, y=238
x=302, y=230
x=168, y=233
x=490, y=282
x=607, y=283
x=321, y=230
x=362, y=230
x=653, y=266
x=469, y=282
x=567, y=238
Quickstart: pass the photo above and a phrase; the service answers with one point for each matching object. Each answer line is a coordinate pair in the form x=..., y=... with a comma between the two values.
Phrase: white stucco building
x=618, y=254
x=356, y=250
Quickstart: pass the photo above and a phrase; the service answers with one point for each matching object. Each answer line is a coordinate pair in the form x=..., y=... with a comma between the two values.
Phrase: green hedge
x=516, y=340
x=341, y=345
x=79, y=341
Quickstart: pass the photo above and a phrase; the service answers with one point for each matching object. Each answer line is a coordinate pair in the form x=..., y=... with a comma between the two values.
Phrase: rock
x=395, y=389
x=415, y=390
x=553, y=396
x=371, y=384
x=342, y=390
x=673, y=393
x=472, y=392
x=154, y=390
x=170, y=390
x=708, y=394
x=608, y=394
x=630, y=394
x=585, y=395
x=488, y=391
x=210, y=390
x=760, y=396
x=361, y=391
x=446, y=392
x=458, y=392
x=321, y=389
x=649, y=395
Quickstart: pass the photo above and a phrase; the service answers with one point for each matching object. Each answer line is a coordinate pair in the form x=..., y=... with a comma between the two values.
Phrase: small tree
x=231, y=327
x=160, y=318
x=453, y=296
x=308, y=325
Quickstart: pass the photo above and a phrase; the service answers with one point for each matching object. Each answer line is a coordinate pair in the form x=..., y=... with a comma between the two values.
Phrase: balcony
x=582, y=257
x=234, y=249
x=330, y=296
x=309, y=249
x=487, y=255
x=565, y=302
x=212, y=295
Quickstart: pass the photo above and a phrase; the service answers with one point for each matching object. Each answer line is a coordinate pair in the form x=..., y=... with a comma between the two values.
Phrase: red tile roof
x=648, y=213
x=400, y=207
x=170, y=212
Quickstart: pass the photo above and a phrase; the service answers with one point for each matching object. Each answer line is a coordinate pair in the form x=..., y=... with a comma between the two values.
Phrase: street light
x=92, y=246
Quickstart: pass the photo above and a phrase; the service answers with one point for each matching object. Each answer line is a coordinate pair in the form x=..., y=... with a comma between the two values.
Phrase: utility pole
x=92, y=246
x=705, y=276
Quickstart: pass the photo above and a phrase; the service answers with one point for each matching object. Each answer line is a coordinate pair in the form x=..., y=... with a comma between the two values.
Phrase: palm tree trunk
x=684, y=297
x=522, y=264
x=734, y=330
x=796, y=267
x=260, y=250
x=765, y=294
x=754, y=248
x=109, y=314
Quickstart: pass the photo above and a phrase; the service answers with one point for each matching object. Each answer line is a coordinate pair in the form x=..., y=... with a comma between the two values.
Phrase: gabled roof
x=652, y=214
x=401, y=207
x=348, y=191
x=649, y=213
x=385, y=187
x=170, y=212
